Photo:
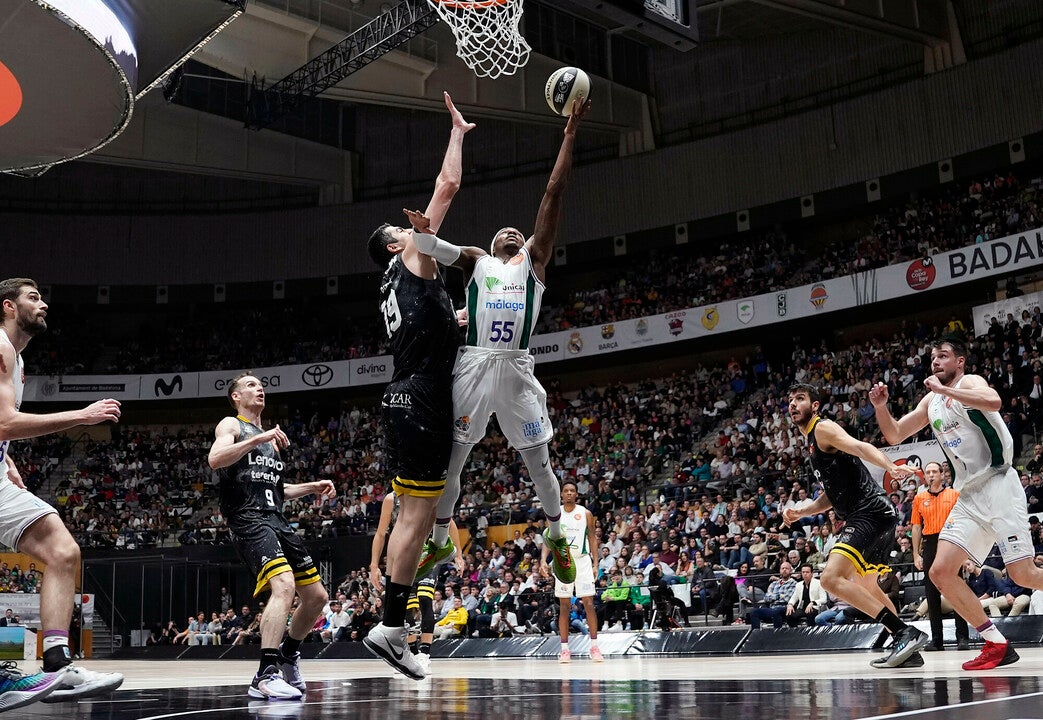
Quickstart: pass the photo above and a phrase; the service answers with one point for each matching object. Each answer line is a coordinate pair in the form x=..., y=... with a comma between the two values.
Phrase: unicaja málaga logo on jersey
x=504, y=305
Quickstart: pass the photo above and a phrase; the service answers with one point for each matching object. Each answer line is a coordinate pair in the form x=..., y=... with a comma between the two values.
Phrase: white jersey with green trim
x=976, y=442
x=574, y=526
x=503, y=302
x=19, y=389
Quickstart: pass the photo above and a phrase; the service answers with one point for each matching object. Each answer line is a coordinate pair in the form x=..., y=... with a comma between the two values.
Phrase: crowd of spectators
x=229, y=336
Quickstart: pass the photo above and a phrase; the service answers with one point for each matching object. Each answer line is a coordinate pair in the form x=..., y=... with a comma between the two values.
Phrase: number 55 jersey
x=494, y=370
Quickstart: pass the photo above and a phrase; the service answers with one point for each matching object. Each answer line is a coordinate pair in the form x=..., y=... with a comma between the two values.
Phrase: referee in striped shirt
x=930, y=511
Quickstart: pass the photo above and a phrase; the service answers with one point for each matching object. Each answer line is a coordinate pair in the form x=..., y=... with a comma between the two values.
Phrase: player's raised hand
x=418, y=220
x=102, y=411
x=878, y=395
x=580, y=108
x=458, y=119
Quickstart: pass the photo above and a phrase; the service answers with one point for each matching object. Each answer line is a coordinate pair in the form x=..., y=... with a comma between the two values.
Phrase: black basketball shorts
x=269, y=547
x=867, y=539
x=417, y=418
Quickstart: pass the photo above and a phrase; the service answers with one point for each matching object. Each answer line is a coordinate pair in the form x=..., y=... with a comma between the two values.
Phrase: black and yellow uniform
x=869, y=518
x=251, y=501
x=417, y=408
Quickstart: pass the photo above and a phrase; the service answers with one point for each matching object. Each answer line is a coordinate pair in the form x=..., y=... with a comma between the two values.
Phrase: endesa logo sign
x=10, y=95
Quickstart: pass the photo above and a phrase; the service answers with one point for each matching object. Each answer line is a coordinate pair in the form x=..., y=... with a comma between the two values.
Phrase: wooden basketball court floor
x=838, y=686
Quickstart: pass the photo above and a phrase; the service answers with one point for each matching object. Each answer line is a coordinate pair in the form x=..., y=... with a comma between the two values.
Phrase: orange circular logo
x=10, y=95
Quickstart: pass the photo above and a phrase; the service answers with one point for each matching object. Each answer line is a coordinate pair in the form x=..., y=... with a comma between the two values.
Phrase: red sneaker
x=992, y=655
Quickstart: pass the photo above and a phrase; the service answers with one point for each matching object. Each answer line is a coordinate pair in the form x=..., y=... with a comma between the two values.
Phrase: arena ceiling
x=274, y=37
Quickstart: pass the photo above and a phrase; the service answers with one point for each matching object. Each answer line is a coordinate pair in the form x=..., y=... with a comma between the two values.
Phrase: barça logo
x=607, y=331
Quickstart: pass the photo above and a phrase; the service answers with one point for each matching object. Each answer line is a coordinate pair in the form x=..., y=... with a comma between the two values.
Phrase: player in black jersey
x=863, y=547
x=250, y=465
x=417, y=409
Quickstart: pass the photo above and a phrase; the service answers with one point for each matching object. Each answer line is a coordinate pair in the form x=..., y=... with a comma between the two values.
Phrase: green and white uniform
x=991, y=508
x=574, y=525
x=494, y=370
x=19, y=508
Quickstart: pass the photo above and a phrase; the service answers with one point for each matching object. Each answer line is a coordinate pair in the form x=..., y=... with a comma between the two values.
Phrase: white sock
x=990, y=632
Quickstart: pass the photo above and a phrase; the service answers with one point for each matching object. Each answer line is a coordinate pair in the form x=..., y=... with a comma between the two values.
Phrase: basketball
x=564, y=86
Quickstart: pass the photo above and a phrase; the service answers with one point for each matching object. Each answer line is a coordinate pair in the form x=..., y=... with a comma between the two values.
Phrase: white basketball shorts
x=502, y=382
x=584, y=585
x=991, y=510
x=18, y=510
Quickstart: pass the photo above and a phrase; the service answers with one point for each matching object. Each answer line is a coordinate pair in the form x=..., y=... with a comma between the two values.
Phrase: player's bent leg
x=945, y=574
x=313, y=598
x=447, y=503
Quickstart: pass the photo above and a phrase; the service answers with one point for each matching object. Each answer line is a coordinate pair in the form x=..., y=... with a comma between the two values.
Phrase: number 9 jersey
x=254, y=481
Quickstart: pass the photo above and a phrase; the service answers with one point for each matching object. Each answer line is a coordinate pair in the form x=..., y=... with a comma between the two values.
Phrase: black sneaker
x=906, y=643
x=915, y=660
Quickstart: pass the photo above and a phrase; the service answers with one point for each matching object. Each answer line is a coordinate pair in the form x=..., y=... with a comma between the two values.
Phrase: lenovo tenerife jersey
x=974, y=441
x=503, y=301
x=254, y=481
x=420, y=323
x=846, y=480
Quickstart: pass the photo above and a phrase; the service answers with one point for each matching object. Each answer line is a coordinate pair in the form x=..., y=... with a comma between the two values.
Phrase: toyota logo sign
x=317, y=375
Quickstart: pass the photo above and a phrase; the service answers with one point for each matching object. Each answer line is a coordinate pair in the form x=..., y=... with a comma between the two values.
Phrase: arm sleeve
x=440, y=250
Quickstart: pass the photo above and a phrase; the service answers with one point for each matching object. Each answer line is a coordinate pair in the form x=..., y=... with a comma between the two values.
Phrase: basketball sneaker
x=78, y=683
x=290, y=669
x=269, y=685
x=595, y=654
x=915, y=660
x=565, y=656
x=430, y=556
x=904, y=644
x=18, y=689
x=561, y=558
x=425, y=662
x=389, y=644
x=993, y=655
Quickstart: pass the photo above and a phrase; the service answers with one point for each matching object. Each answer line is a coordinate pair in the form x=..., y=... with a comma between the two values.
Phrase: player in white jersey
x=578, y=525
x=494, y=370
x=30, y=525
x=963, y=411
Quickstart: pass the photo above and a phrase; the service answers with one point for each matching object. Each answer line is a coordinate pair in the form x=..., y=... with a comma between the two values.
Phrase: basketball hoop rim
x=471, y=4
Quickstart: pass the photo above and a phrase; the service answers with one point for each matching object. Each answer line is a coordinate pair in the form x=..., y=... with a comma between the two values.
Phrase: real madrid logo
x=710, y=318
x=575, y=343
x=642, y=327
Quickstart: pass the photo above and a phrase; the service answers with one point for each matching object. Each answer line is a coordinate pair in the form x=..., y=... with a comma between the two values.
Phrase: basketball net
x=487, y=35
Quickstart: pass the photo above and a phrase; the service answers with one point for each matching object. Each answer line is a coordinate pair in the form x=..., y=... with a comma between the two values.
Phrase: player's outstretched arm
x=831, y=435
x=541, y=244
x=463, y=257
x=448, y=181
x=15, y=425
x=895, y=431
x=323, y=488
